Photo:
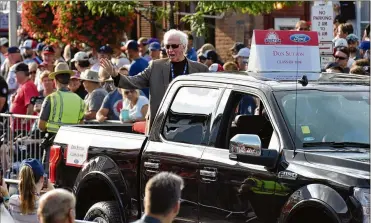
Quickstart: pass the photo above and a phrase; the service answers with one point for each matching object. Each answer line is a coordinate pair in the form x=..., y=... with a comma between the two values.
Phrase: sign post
x=322, y=22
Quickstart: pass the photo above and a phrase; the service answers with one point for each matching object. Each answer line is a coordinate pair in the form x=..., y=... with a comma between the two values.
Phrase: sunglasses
x=129, y=91
x=340, y=58
x=32, y=72
x=173, y=46
x=303, y=29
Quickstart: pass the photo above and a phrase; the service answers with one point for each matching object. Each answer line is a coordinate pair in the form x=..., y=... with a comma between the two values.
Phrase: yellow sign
x=305, y=130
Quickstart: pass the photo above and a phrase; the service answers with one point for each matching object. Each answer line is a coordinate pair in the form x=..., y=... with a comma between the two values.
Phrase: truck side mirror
x=246, y=148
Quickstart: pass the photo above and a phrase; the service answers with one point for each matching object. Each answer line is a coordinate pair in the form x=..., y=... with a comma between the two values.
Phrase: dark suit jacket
x=157, y=77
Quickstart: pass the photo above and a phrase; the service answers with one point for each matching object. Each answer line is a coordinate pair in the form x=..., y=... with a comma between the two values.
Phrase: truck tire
x=104, y=212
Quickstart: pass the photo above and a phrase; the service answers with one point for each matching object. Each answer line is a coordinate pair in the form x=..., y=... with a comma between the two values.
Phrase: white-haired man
x=160, y=72
x=57, y=206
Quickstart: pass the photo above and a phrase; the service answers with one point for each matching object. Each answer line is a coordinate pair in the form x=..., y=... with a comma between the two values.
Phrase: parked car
x=301, y=152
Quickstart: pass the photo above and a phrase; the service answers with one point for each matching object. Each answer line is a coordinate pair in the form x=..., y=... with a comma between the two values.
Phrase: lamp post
x=12, y=23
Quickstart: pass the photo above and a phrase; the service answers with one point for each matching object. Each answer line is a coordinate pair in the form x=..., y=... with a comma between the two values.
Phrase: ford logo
x=299, y=38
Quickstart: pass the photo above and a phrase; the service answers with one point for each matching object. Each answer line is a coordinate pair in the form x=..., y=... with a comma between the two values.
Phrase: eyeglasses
x=129, y=91
x=173, y=46
x=32, y=72
x=340, y=58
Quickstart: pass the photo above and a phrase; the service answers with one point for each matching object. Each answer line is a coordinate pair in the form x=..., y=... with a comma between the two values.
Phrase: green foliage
x=216, y=7
x=196, y=20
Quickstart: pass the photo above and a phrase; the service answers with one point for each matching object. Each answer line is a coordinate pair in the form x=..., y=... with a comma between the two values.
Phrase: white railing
x=20, y=139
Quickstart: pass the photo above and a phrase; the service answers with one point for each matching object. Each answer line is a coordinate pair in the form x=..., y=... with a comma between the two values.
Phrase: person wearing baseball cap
x=48, y=57
x=138, y=64
x=23, y=206
x=28, y=51
x=143, y=48
x=236, y=47
x=154, y=50
x=21, y=103
x=14, y=57
x=353, y=42
x=242, y=58
x=81, y=61
x=54, y=112
x=105, y=52
x=211, y=58
x=94, y=98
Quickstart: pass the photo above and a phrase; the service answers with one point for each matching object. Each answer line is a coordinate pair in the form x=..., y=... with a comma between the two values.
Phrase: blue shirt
x=113, y=102
x=247, y=106
x=365, y=45
x=192, y=54
x=138, y=66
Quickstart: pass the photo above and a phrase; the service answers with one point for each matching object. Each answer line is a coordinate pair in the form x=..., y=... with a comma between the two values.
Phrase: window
x=247, y=116
x=189, y=116
x=315, y=116
x=250, y=118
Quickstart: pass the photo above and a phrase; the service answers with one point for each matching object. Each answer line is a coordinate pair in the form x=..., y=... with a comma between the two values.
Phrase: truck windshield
x=321, y=118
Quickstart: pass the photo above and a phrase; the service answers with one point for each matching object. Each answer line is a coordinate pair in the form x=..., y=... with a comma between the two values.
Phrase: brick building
x=224, y=29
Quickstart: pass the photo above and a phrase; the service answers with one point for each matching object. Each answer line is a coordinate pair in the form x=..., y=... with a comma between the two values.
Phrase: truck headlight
x=363, y=196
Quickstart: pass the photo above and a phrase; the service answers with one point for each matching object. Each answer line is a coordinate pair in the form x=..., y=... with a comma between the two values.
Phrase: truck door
x=232, y=191
x=180, y=141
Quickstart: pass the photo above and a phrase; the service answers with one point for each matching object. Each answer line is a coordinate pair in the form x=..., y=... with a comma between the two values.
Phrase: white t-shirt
x=135, y=112
x=350, y=62
x=2, y=58
x=38, y=81
x=95, y=67
x=10, y=80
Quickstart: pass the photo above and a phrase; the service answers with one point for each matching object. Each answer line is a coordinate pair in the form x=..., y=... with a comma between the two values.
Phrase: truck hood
x=347, y=168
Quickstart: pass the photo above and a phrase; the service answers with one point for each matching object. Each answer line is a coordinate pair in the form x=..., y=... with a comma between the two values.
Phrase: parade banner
x=284, y=51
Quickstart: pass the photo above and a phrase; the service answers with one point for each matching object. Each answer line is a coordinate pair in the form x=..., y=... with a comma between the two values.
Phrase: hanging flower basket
x=37, y=19
x=76, y=24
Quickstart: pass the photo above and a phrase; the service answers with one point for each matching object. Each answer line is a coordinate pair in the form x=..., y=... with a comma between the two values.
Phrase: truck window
x=188, y=118
x=248, y=116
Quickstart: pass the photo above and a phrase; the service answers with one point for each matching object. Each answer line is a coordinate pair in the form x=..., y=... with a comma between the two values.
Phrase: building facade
x=230, y=27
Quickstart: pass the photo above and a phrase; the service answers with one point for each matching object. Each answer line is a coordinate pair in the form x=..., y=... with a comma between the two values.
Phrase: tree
x=196, y=20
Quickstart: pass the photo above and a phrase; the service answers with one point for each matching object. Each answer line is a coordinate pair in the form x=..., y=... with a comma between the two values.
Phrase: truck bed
x=114, y=141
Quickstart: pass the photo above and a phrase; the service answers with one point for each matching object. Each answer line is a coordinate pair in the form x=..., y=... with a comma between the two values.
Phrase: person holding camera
x=23, y=206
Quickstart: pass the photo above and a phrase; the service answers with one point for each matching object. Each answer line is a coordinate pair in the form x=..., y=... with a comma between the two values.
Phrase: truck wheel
x=104, y=212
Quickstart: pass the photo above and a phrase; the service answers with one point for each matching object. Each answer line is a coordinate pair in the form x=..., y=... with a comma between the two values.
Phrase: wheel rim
x=100, y=220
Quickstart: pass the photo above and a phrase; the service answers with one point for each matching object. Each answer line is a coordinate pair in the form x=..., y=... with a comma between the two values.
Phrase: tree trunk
x=171, y=15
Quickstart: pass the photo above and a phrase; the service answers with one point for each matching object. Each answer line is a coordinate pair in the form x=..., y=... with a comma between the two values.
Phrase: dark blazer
x=157, y=77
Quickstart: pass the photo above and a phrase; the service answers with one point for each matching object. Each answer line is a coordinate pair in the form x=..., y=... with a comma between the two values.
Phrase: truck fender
x=317, y=195
x=102, y=169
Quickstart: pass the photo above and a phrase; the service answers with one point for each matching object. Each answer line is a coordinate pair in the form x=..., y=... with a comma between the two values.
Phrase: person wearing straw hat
x=62, y=107
x=55, y=106
x=94, y=98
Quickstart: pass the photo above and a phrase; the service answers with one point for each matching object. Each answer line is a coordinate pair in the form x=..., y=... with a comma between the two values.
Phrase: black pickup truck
x=249, y=149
